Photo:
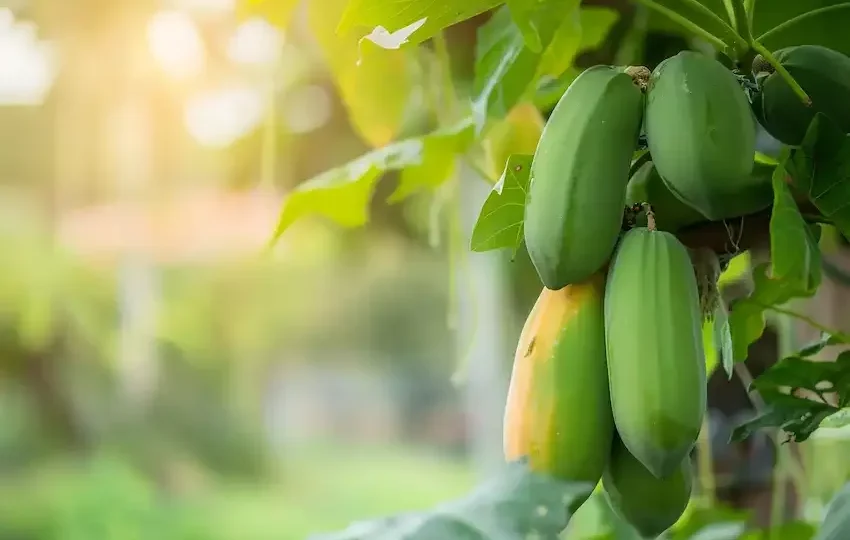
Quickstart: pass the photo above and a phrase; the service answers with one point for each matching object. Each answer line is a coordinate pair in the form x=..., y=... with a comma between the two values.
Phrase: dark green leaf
x=343, y=193
x=821, y=169
x=818, y=345
x=516, y=505
x=836, y=523
x=499, y=224
x=795, y=268
x=815, y=376
x=394, y=15
x=798, y=22
x=506, y=68
x=797, y=416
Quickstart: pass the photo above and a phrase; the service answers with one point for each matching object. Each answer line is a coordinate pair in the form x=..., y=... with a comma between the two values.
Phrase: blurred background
x=163, y=377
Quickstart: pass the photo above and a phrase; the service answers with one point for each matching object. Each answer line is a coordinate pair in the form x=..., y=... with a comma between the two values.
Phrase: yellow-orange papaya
x=558, y=413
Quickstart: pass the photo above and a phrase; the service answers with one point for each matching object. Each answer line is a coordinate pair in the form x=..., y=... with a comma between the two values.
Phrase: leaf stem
x=751, y=9
x=795, y=86
x=704, y=466
x=742, y=22
x=790, y=22
x=695, y=29
x=805, y=318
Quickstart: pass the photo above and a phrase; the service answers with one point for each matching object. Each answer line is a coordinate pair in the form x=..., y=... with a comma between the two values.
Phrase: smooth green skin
x=673, y=214
x=701, y=132
x=579, y=173
x=653, y=338
x=825, y=76
x=650, y=504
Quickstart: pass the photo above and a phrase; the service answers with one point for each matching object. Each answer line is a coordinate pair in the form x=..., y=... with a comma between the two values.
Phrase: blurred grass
x=324, y=489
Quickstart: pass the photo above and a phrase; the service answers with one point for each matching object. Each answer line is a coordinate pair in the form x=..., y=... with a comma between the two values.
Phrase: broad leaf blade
x=796, y=416
x=516, y=505
x=500, y=222
x=396, y=14
x=798, y=22
x=821, y=169
x=343, y=193
x=375, y=84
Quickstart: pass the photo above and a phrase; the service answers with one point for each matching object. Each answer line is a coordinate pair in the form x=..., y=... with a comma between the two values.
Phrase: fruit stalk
x=780, y=69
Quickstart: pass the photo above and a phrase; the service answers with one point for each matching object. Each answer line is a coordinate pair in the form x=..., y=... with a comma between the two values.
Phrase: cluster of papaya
x=609, y=380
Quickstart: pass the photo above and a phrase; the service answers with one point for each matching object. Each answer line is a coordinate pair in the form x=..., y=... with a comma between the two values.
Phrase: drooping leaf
x=276, y=12
x=821, y=169
x=837, y=420
x=516, y=505
x=393, y=15
x=343, y=193
x=499, y=224
x=798, y=417
x=375, y=84
x=795, y=269
x=836, y=523
x=506, y=69
x=785, y=23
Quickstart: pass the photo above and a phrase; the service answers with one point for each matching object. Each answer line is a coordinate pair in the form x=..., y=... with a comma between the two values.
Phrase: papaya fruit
x=671, y=214
x=578, y=177
x=654, y=348
x=701, y=133
x=823, y=73
x=652, y=505
x=558, y=410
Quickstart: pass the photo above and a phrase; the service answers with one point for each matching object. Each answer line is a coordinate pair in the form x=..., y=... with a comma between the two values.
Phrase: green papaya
x=652, y=505
x=671, y=214
x=823, y=73
x=654, y=348
x=558, y=410
x=579, y=172
x=701, y=133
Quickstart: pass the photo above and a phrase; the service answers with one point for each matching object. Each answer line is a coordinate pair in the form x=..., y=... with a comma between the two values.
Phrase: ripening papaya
x=578, y=177
x=701, y=133
x=652, y=505
x=823, y=73
x=654, y=348
x=558, y=410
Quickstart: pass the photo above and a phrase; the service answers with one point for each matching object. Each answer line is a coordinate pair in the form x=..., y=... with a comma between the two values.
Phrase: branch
x=737, y=234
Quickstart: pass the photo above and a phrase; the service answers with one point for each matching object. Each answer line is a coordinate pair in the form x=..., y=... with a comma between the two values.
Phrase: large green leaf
x=394, y=15
x=516, y=505
x=375, y=84
x=836, y=523
x=343, y=193
x=795, y=268
x=821, y=169
x=499, y=224
x=791, y=18
x=825, y=26
x=277, y=12
x=506, y=68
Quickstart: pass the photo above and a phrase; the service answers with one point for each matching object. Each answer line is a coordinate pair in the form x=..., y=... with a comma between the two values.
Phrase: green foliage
x=515, y=504
x=798, y=22
x=500, y=222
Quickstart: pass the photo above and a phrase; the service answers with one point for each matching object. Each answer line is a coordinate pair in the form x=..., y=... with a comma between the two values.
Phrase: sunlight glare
x=27, y=65
x=255, y=42
x=219, y=117
x=210, y=6
x=175, y=43
x=307, y=108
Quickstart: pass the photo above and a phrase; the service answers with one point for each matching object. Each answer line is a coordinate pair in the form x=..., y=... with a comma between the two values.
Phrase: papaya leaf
x=343, y=193
x=506, y=69
x=836, y=523
x=375, y=84
x=798, y=22
x=798, y=416
x=795, y=268
x=821, y=169
x=392, y=15
x=515, y=505
x=499, y=224
x=838, y=420
x=276, y=12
